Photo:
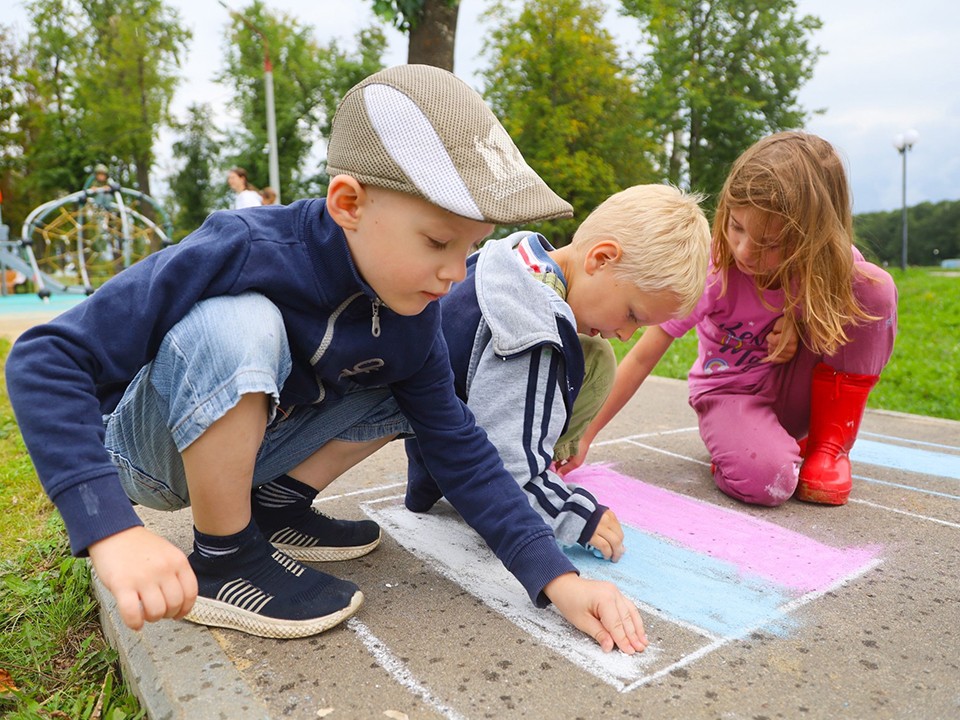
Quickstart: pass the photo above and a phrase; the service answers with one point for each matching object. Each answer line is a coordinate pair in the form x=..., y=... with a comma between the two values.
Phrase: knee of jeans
x=230, y=333
x=763, y=481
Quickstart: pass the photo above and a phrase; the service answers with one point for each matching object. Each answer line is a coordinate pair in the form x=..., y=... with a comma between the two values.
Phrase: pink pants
x=751, y=433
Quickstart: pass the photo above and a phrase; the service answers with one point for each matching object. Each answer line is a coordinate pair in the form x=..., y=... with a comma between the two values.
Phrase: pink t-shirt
x=732, y=333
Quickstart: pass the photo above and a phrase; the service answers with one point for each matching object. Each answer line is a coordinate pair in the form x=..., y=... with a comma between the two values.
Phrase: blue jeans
x=226, y=347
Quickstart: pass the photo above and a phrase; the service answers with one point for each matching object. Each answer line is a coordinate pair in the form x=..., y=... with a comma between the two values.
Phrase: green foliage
x=195, y=191
x=929, y=328
x=308, y=80
x=933, y=234
x=557, y=84
x=720, y=75
x=92, y=84
x=402, y=14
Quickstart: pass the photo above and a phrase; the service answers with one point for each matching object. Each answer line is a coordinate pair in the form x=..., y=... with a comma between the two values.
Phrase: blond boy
x=528, y=331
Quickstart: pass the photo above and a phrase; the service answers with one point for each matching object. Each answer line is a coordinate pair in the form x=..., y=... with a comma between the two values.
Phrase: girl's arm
x=632, y=371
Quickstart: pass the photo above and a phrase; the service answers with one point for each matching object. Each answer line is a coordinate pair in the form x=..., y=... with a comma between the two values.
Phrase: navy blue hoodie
x=65, y=375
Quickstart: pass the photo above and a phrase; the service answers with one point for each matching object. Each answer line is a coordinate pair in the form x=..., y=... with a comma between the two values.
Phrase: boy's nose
x=454, y=271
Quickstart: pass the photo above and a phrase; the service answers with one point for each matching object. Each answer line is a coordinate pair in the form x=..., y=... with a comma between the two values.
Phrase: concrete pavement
x=800, y=611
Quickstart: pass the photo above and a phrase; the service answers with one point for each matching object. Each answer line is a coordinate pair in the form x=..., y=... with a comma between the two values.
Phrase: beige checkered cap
x=421, y=130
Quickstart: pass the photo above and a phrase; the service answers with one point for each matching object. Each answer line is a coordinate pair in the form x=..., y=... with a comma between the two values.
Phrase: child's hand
x=572, y=463
x=608, y=537
x=600, y=610
x=149, y=577
x=782, y=341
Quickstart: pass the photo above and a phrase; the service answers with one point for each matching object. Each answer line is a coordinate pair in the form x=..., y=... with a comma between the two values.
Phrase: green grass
x=922, y=377
x=54, y=662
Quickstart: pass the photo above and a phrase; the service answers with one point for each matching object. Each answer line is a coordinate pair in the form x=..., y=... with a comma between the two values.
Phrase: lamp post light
x=274, y=162
x=903, y=142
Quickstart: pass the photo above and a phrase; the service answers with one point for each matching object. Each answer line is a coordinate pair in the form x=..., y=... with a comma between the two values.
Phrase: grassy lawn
x=54, y=662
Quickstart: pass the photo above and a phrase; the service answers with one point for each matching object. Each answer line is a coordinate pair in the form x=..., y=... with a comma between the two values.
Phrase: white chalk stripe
x=398, y=670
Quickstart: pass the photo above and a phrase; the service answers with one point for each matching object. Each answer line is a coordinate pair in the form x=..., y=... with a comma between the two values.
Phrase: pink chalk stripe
x=756, y=547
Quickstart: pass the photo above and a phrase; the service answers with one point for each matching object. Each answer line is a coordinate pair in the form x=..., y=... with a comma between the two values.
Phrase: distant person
x=532, y=382
x=101, y=176
x=794, y=329
x=268, y=196
x=267, y=353
x=246, y=194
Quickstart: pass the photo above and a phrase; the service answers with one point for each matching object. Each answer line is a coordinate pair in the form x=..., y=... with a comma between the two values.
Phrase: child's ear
x=601, y=253
x=345, y=199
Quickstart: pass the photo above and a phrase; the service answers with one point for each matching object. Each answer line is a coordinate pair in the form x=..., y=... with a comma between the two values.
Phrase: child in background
x=794, y=329
x=268, y=196
x=244, y=369
x=512, y=328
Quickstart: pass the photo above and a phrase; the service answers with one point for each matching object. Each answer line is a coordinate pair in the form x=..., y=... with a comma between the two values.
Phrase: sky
x=888, y=68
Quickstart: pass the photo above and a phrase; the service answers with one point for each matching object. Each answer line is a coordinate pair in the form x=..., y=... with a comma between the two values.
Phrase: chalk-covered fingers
x=600, y=610
x=608, y=537
x=621, y=619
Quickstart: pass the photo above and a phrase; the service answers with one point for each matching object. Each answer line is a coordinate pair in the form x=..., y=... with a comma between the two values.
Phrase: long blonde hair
x=800, y=179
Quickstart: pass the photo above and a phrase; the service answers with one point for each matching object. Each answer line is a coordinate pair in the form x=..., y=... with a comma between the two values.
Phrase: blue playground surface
x=13, y=304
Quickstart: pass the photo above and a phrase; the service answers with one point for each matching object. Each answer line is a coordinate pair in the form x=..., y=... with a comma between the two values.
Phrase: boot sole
x=821, y=497
x=215, y=613
x=327, y=554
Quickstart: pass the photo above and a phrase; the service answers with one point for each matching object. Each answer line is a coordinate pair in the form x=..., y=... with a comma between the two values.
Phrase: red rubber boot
x=836, y=408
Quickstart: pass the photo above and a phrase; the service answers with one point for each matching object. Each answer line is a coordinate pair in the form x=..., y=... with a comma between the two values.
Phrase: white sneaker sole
x=326, y=554
x=215, y=613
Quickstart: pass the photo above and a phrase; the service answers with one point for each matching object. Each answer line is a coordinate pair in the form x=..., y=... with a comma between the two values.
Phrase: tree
x=558, y=86
x=720, y=75
x=97, y=79
x=430, y=24
x=309, y=79
x=194, y=188
x=127, y=76
x=12, y=137
x=933, y=233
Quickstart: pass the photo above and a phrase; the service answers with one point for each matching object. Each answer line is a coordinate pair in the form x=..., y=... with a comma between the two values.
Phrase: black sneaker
x=315, y=537
x=261, y=591
x=284, y=512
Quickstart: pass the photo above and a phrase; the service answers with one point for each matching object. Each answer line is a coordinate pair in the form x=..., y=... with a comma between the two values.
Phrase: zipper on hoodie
x=375, y=320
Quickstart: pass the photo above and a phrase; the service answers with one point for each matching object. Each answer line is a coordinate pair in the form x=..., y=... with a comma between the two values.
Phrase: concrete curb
x=177, y=669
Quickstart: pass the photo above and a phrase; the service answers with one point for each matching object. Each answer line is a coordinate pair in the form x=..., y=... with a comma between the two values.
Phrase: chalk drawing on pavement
x=717, y=574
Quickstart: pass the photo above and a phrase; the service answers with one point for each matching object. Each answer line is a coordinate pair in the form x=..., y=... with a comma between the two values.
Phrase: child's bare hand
x=608, y=537
x=600, y=610
x=782, y=341
x=572, y=463
x=149, y=577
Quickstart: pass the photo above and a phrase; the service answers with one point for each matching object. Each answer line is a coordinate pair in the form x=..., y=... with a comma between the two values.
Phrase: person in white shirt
x=247, y=195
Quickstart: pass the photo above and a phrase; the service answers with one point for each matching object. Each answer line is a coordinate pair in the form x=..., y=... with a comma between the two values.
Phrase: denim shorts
x=226, y=347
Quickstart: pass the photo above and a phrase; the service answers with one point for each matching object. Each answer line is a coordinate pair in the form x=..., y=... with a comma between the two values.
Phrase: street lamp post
x=274, y=161
x=903, y=142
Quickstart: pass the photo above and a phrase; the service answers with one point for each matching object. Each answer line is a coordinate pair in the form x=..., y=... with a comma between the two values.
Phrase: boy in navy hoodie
x=244, y=369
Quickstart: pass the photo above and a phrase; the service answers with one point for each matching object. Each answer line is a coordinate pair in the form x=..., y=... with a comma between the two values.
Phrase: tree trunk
x=432, y=39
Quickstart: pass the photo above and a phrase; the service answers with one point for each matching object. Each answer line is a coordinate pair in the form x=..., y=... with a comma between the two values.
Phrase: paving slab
x=800, y=611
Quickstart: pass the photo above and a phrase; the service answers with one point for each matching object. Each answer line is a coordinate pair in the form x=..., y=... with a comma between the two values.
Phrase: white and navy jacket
x=518, y=365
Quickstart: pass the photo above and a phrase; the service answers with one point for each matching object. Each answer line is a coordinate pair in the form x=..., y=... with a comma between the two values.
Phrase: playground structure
x=77, y=242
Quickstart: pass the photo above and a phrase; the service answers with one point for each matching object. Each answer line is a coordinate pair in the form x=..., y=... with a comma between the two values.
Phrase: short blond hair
x=664, y=236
